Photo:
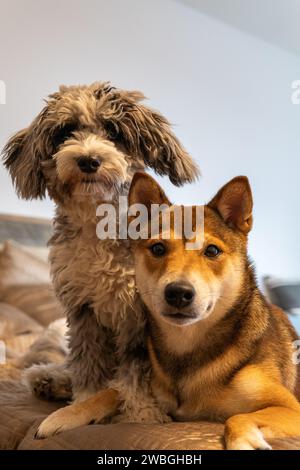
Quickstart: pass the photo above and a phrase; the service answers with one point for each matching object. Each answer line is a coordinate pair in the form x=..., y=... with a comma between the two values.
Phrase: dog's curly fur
x=94, y=278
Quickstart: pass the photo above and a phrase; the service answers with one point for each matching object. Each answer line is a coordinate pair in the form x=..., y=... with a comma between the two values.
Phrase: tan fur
x=231, y=358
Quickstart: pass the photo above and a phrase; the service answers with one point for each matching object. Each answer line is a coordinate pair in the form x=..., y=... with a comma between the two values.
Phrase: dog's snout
x=179, y=294
x=88, y=164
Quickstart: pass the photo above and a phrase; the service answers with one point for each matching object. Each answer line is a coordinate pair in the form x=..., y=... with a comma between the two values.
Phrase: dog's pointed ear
x=145, y=190
x=234, y=204
x=21, y=158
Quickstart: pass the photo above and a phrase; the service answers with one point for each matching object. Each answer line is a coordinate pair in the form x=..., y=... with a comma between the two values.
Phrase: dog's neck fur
x=200, y=343
x=83, y=210
x=78, y=257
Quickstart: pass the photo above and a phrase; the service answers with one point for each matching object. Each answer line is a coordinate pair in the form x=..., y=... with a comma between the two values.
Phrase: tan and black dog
x=218, y=350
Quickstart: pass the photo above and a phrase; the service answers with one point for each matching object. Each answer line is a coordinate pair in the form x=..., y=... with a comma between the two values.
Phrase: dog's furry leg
x=137, y=405
x=49, y=381
x=278, y=412
x=94, y=409
x=91, y=359
x=133, y=375
x=90, y=364
x=87, y=367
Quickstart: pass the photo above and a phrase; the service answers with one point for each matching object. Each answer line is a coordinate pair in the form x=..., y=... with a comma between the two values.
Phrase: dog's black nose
x=88, y=164
x=179, y=294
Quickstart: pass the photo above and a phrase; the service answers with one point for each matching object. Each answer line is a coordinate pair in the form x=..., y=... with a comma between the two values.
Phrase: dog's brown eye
x=112, y=130
x=62, y=134
x=212, y=251
x=158, y=249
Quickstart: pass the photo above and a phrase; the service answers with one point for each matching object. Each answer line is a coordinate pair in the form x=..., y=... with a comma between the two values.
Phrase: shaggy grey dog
x=83, y=149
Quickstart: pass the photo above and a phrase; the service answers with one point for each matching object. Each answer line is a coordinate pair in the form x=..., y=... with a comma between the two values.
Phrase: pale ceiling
x=276, y=21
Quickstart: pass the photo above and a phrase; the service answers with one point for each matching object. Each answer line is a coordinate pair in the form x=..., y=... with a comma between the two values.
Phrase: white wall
x=227, y=93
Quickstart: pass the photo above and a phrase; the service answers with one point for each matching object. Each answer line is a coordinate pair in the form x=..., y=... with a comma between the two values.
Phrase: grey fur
x=51, y=382
x=94, y=279
x=88, y=338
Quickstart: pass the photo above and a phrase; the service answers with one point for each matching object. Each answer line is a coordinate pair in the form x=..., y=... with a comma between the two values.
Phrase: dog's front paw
x=253, y=441
x=240, y=436
x=61, y=420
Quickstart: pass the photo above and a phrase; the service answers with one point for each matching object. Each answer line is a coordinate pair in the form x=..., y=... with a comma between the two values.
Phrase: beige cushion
x=38, y=252
x=19, y=410
x=10, y=371
x=173, y=436
x=37, y=301
x=179, y=436
x=14, y=322
x=18, y=266
x=20, y=344
x=41, y=252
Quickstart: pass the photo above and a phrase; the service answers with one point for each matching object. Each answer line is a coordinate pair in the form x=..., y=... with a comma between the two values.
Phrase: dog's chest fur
x=87, y=270
x=184, y=385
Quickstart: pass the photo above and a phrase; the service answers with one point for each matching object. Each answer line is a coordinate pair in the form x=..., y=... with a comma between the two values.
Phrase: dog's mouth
x=180, y=318
x=92, y=186
x=96, y=180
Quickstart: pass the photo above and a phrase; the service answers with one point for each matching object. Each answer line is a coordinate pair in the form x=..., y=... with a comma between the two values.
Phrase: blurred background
x=220, y=70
